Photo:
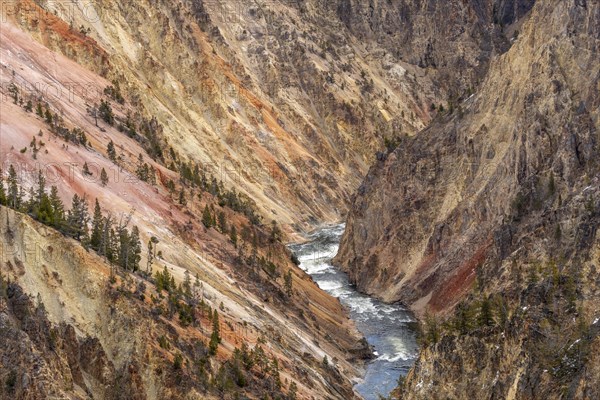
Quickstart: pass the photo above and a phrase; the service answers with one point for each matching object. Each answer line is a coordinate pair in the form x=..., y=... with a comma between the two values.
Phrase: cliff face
x=441, y=37
x=279, y=100
x=485, y=223
x=440, y=205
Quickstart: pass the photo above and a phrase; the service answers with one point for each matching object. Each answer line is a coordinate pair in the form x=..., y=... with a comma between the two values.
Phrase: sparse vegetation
x=115, y=242
x=106, y=113
x=103, y=177
x=114, y=92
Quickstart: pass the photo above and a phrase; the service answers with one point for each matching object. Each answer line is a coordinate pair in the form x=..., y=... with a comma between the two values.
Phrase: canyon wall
x=287, y=101
x=432, y=211
x=485, y=223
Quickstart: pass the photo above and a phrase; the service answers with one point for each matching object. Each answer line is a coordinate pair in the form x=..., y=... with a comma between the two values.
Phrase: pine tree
x=233, y=236
x=110, y=150
x=41, y=188
x=14, y=194
x=45, y=214
x=152, y=176
x=48, y=116
x=77, y=218
x=124, y=253
x=261, y=358
x=22, y=205
x=187, y=284
x=2, y=191
x=111, y=241
x=163, y=280
x=142, y=170
x=103, y=177
x=135, y=249
x=206, y=217
x=106, y=113
x=215, y=337
x=222, y=223
x=30, y=205
x=58, y=209
x=86, y=169
x=106, y=242
x=97, y=227
x=39, y=111
x=246, y=357
x=485, y=313
x=463, y=319
x=275, y=372
x=182, y=199
x=42, y=209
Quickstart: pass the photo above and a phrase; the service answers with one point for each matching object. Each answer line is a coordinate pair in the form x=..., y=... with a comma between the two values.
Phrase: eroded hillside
x=69, y=330
x=87, y=137
x=430, y=212
x=287, y=102
x=486, y=222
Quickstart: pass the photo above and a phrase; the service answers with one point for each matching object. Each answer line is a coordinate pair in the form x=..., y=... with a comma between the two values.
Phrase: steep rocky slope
x=47, y=124
x=441, y=37
x=434, y=209
x=486, y=223
x=286, y=101
x=254, y=98
x=69, y=330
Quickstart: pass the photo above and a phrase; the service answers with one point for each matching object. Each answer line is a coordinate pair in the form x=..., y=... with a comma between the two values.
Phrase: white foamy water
x=387, y=327
x=329, y=286
x=311, y=267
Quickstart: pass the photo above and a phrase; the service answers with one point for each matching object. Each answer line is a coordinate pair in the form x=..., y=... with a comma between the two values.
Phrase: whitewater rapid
x=389, y=328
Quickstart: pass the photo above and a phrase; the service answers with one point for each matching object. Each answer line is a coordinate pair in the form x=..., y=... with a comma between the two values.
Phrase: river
x=389, y=328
